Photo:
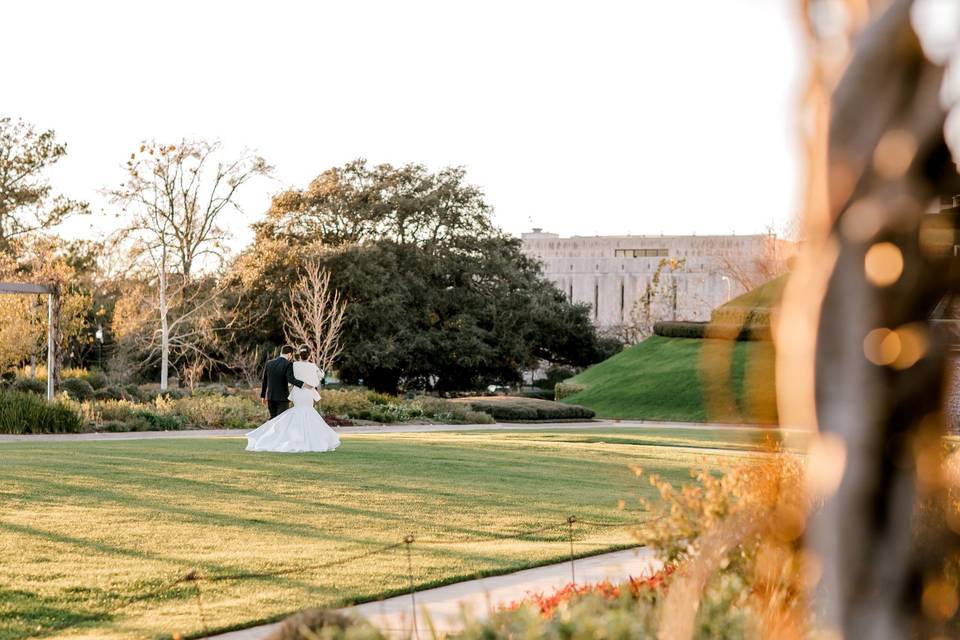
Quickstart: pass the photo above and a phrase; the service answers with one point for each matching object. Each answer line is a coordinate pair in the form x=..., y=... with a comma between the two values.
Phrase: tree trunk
x=164, y=330
x=884, y=408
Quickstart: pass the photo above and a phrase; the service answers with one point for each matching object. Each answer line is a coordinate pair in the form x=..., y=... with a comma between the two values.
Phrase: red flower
x=605, y=589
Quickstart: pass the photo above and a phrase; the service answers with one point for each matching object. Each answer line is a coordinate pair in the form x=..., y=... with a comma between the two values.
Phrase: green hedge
x=513, y=409
x=28, y=413
x=541, y=394
x=701, y=330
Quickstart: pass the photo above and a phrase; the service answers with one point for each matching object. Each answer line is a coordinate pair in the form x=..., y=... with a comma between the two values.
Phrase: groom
x=277, y=375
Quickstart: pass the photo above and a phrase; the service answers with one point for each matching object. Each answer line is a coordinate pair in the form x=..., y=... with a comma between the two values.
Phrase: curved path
x=443, y=605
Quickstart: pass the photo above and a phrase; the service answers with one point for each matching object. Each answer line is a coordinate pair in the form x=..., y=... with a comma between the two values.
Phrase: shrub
x=390, y=413
x=320, y=623
x=575, y=612
x=634, y=588
x=134, y=423
x=447, y=412
x=158, y=420
x=566, y=389
x=555, y=374
x=77, y=388
x=134, y=392
x=213, y=390
x=31, y=385
x=344, y=402
x=540, y=394
x=512, y=409
x=110, y=393
x=701, y=330
x=116, y=410
x=219, y=412
x=89, y=413
x=375, y=397
x=173, y=394
x=26, y=413
x=97, y=379
x=114, y=426
x=476, y=417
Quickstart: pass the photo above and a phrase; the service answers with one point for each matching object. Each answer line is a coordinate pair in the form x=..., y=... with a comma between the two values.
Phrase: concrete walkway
x=445, y=606
x=398, y=428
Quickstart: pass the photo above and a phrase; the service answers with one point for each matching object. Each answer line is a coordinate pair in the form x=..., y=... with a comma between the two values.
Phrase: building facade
x=615, y=274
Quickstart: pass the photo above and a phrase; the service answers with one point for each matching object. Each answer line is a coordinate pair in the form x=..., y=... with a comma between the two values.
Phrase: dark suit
x=277, y=375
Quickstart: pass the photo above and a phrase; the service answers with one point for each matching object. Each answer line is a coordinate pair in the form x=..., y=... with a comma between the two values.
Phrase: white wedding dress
x=299, y=428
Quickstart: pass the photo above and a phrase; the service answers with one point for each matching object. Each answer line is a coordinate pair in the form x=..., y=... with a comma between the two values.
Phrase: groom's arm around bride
x=277, y=376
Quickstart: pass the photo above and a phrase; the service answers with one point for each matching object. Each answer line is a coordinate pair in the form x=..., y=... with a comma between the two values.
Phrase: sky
x=606, y=117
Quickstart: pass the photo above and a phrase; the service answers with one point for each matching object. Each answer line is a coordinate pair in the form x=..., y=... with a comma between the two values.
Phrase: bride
x=299, y=428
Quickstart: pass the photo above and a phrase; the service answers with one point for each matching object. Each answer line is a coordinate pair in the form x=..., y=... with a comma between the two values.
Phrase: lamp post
x=100, y=346
x=729, y=292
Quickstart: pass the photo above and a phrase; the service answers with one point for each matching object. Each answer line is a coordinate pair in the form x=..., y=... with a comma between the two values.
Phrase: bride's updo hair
x=303, y=352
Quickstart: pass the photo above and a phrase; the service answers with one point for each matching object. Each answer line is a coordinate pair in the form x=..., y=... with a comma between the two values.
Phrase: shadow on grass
x=27, y=614
x=482, y=490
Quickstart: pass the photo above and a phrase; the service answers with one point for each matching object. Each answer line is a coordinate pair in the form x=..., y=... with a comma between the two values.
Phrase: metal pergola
x=22, y=288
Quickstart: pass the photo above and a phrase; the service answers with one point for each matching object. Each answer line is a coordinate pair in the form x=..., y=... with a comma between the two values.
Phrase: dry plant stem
x=683, y=598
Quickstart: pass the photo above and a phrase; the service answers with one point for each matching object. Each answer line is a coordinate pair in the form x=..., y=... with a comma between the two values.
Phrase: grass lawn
x=88, y=527
x=684, y=380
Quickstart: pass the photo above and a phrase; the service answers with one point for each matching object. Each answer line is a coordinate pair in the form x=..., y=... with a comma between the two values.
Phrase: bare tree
x=753, y=271
x=658, y=301
x=314, y=315
x=248, y=364
x=176, y=196
x=192, y=369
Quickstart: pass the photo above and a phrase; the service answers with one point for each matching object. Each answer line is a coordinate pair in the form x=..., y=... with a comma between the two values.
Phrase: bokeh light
x=883, y=264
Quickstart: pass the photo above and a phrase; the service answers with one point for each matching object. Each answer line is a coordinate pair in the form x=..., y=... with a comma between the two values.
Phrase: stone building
x=613, y=273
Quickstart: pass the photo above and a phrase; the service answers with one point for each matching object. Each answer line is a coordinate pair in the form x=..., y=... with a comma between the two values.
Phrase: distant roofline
x=553, y=236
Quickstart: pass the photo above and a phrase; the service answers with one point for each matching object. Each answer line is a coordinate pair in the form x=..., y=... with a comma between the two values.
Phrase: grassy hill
x=685, y=380
x=753, y=307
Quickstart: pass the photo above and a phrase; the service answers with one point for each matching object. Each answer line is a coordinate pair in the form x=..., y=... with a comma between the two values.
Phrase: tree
x=439, y=320
x=176, y=196
x=356, y=203
x=437, y=297
x=314, y=315
x=756, y=270
x=27, y=201
x=24, y=318
x=247, y=363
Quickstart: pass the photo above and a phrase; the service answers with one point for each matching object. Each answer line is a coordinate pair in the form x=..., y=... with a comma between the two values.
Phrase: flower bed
x=635, y=588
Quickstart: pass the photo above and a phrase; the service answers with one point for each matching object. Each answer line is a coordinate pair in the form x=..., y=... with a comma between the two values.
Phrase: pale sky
x=585, y=118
